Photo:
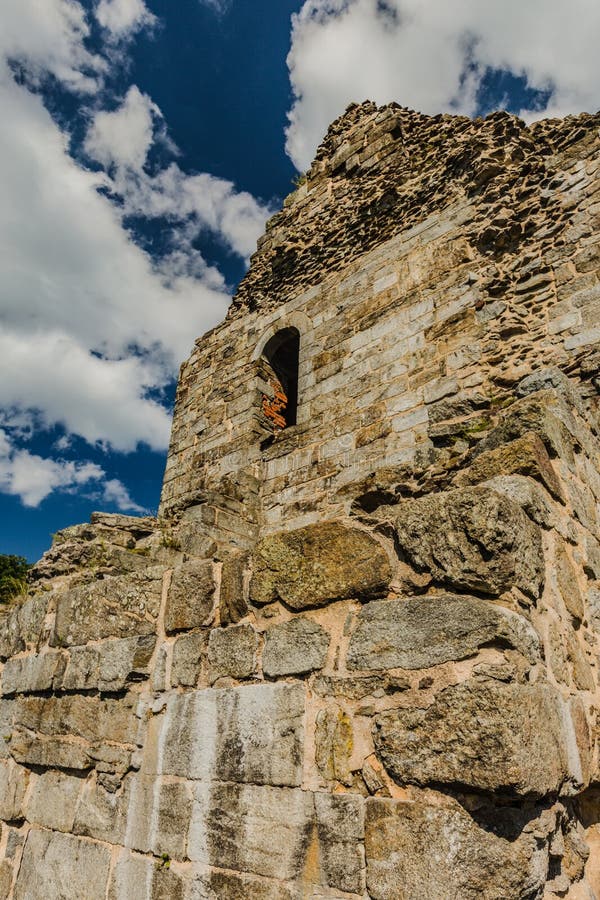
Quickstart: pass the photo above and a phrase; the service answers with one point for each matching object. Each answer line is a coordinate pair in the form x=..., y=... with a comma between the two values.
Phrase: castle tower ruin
x=356, y=655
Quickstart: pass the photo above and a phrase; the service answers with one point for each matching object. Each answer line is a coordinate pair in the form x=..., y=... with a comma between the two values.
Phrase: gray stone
x=483, y=736
x=141, y=878
x=186, y=664
x=110, y=665
x=191, y=597
x=122, y=606
x=248, y=734
x=274, y=822
x=418, y=851
x=294, y=648
x=340, y=830
x=158, y=816
x=426, y=631
x=61, y=866
x=102, y=814
x=232, y=602
x=472, y=539
x=232, y=651
x=53, y=801
x=11, y=640
x=32, y=614
x=37, y=672
x=13, y=786
x=217, y=885
x=318, y=564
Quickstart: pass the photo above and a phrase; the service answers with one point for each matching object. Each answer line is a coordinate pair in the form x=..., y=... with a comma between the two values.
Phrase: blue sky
x=144, y=144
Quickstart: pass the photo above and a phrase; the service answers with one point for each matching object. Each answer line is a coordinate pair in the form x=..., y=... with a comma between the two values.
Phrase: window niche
x=278, y=374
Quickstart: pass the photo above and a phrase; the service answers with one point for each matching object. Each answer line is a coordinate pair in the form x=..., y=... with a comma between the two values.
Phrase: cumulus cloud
x=92, y=327
x=121, y=140
x=432, y=55
x=122, y=17
x=32, y=477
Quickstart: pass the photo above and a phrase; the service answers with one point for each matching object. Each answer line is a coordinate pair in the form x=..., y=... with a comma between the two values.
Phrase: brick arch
x=278, y=372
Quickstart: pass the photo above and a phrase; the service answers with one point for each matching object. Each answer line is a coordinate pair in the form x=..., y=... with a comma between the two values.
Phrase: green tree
x=13, y=576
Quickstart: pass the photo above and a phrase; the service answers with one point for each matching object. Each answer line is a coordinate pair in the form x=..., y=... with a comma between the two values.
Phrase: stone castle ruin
x=357, y=653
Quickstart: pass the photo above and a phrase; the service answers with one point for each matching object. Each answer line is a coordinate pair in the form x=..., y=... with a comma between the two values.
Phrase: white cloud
x=432, y=54
x=32, y=477
x=91, y=327
x=122, y=17
x=123, y=137
x=116, y=492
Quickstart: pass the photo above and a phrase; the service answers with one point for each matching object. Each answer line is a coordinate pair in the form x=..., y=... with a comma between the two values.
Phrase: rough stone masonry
x=356, y=655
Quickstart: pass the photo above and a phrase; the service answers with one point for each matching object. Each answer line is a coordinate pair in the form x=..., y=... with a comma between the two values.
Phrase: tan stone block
x=191, y=597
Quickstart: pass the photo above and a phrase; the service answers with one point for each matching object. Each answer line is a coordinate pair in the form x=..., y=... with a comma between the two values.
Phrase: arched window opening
x=279, y=371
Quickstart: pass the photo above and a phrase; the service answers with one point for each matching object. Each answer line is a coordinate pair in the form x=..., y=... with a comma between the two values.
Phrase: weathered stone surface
x=340, y=831
x=568, y=585
x=472, y=539
x=334, y=742
x=526, y=455
x=232, y=651
x=215, y=885
x=53, y=801
x=248, y=734
x=11, y=640
x=416, y=851
x=109, y=666
x=141, y=878
x=102, y=814
x=426, y=631
x=44, y=728
x=316, y=565
x=274, y=821
x=483, y=736
x=294, y=648
x=232, y=603
x=58, y=865
x=186, y=663
x=122, y=606
x=158, y=816
x=13, y=785
x=190, y=601
x=36, y=672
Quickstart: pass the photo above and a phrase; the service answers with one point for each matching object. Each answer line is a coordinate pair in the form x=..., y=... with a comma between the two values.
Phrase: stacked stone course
x=356, y=659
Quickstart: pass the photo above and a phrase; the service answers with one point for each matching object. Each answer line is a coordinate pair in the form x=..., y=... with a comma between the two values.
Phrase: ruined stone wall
x=357, y=659
x=394, y=705
x=483, y=268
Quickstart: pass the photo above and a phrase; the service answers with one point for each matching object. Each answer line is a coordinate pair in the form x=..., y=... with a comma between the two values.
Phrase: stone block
x=59, y=865
x=340, y=831
x=141, y=878
x=232, y=652
x=419, y=850
x=13, y=785
x=11, y=639
x=319, y=564
x=426, y=631
x=295, y=648
x=217, y=885
x=53, y=801
x=36, y=672
x=191, y=597
x=526, y=455
x=110, y=665
x=158, y=816
x=102, y=814
x=186, y=663
x=275, y=823
x=118, y=606
x=483, y=736
x=232, y=602
x=334, y=742
x=472, y=539
x=247, y=734
x=32, y=614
